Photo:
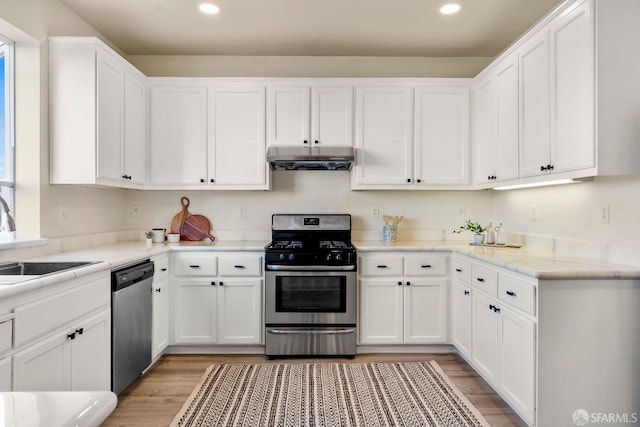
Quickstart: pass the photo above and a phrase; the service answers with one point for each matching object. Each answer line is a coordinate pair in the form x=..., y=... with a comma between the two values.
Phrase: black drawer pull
x=158, y=290
x=382, y=266
x=239, y=266
x=399, y=283
x=194, y=266
x=426, y=266
x=71, y=336
x=496, y=309
x=492, y=307
x=466, y=292
x=408, y=283
x=479, y=279
x=511, y=293
x=459, y=270
x=163, y=269
x=221, y=284
x=80, y=331
x=213, y=283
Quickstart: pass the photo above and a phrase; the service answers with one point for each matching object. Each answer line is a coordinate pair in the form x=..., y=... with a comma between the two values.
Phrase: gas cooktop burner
x=287, y=244
x=330, y=244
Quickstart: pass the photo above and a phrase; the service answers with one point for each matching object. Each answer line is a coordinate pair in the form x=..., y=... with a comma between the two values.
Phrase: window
x=7, y=141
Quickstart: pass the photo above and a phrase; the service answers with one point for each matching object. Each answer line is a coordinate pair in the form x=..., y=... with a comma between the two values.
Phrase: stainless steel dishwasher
x=131, y=311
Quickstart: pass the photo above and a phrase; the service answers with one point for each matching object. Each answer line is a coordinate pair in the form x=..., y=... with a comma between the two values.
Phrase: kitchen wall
x=428, y=214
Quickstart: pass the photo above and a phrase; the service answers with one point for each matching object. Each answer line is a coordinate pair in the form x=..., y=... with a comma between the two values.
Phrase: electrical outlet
x=604, y=214
x=462, y=210
x=63, y=212
x=242, y=212
x=534, y=212
x=375, y=212
x=135, y=211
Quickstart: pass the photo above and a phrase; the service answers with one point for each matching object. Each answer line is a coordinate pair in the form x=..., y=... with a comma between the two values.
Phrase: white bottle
x=500, y=234
x=491, y=234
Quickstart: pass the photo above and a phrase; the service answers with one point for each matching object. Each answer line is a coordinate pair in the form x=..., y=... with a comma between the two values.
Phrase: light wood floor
x=155, y=398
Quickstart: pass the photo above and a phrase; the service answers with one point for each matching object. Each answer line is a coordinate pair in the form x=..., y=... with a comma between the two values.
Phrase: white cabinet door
x=506, y=153
x=571, y=36
x=90, y=358
x=6, y=373
x=461, y=317
x=237, y=136
x=384, y=136
x=110, y=115
x=484, y=337
x=288, y=115
x=332, y=116
x=195, y=311
x=160, y=339
x=441, y=136
x=43, y=366
x=425, y=315
x=178, y=135
x=534, y=105
x=239, y=311
x=381, y=311
x=517, y=362
x=486, y=126
x=135, y=144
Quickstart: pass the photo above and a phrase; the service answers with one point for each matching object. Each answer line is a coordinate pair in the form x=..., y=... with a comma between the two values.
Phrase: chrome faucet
x=11, y=225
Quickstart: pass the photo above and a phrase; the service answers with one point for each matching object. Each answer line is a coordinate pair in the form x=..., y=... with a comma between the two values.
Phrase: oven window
x=304, y=294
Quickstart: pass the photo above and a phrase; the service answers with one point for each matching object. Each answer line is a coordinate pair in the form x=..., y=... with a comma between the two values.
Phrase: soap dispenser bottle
x=491, y=234
x=500, y=234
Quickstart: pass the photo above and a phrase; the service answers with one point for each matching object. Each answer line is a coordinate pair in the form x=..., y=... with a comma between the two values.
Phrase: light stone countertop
x=535, y=263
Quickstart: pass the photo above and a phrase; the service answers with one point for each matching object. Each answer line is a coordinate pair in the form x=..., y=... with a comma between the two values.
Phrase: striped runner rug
x=327, y=395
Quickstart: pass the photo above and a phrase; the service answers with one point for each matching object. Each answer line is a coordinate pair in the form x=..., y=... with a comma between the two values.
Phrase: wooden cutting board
x=178, y=219
x=196, y=227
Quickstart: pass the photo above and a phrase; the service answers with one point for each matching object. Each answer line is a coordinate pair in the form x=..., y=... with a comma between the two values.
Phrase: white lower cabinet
x=75, y=358
x=6, y=373
x=160, y=323
x=493, y=328
x=410, y=307
x=225, y=308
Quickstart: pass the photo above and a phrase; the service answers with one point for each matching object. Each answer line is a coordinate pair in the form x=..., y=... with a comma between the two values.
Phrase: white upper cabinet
x=97, y=106
x=237, y=136
x=178, y=135
x=535, y=116
x=441, y=136
x=384, y=137
x=209, y=136
x=312, y=116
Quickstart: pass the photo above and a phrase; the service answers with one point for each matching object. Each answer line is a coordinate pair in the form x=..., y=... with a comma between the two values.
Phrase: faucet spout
x=11, y=225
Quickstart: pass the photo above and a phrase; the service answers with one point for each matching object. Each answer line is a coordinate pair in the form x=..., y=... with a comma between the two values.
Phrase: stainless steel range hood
x=310, y=158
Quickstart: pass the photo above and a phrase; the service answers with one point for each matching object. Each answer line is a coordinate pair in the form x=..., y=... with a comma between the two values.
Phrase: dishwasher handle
x=131, y=275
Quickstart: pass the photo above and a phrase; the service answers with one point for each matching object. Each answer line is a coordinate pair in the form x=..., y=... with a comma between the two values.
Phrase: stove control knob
x=282, y=256
x=338, y=257
x=328, y=257
x=291, y=257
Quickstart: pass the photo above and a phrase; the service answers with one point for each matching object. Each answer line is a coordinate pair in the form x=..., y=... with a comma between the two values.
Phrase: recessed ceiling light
x=448, y=9
x=208, y=8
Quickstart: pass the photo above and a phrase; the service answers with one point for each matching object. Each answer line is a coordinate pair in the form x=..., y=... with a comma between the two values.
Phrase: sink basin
x=38, y=268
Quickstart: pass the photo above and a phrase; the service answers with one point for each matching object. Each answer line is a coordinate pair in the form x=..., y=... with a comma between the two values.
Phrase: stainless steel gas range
x=310, y=286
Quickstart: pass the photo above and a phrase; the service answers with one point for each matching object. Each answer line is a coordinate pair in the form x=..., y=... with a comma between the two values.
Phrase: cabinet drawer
x=426, y=265
x=462, y=270
x=380, y=265
x=519, y=294
x=240, y=265
x=161, y=268
x=6, y=335
x=195, y=264
x=485, y=279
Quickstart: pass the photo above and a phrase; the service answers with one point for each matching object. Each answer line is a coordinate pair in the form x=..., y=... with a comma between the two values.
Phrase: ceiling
x=483, y=28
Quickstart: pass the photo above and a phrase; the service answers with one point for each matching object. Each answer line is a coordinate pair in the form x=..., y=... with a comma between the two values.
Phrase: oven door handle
x=310, y=331
x=310, y=267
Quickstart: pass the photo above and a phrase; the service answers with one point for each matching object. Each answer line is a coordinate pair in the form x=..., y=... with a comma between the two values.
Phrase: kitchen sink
x=38, y=268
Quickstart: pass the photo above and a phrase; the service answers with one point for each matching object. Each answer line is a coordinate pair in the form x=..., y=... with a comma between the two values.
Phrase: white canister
x=158, y=234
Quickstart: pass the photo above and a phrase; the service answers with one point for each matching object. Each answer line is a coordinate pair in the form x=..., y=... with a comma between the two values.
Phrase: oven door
x=310, y=297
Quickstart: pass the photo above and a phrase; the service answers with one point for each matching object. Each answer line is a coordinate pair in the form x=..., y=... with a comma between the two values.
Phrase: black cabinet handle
x=212, y=180
x=459, y=270
x=418, y=180
x=511, y=293
x=408, y=179
x=492, y=307
x=316, y=142
x=194, y=266
x=80, y=331
x=550, y=167
x=466, y=292
x=202, y=179
x=71, y=336
x=399, y=283
x=239, y=266
x=426, y=266
x=158, y=290
x=382, y=266
x=163, y=269
x=213, y=283
x=408, y=283
x=479, y=279
x=305, y=141
x=221, y=284
x=543, y=168
x=496, y=309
